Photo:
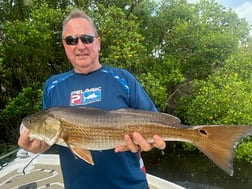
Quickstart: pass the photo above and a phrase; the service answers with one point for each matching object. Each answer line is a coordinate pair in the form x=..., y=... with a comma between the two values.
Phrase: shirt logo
x=87, y=96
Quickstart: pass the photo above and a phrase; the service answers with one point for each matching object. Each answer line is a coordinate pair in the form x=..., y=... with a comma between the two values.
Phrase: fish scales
x=110, y=128
x=83, y=129
x=107, y=137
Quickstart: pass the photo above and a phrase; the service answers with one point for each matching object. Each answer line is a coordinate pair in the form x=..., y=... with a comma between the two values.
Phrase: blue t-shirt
x=106, y=88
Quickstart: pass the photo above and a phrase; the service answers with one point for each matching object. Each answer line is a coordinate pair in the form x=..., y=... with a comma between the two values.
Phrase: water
x=196, y=171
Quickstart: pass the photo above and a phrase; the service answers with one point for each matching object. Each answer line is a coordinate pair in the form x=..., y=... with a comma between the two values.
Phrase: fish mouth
x=22, y=128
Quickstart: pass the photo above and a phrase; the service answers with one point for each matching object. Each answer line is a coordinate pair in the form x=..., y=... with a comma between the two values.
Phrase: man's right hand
x=34, y=145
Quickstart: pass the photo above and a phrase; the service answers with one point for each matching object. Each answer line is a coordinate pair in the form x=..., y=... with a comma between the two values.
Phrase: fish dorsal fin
x=167, y=118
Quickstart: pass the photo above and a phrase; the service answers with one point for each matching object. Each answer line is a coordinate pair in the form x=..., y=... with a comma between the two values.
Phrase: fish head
x=43, y=126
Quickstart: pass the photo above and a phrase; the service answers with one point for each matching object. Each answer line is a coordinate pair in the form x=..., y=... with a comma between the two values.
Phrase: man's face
x=83, y=57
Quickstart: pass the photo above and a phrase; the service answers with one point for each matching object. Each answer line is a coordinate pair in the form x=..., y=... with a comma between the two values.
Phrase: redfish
x=84, y=129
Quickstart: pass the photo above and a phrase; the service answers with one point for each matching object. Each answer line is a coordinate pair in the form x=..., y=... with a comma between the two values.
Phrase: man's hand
x=139, y=143
x=34, y=146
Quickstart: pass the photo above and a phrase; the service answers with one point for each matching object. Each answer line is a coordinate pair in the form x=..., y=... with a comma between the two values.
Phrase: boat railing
x=7, y=158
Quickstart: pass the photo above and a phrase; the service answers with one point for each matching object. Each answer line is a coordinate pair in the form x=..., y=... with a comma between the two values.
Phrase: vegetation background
x=194, y=60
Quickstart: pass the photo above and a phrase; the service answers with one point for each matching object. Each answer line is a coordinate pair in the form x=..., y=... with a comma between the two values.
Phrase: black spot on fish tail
x=203, y=132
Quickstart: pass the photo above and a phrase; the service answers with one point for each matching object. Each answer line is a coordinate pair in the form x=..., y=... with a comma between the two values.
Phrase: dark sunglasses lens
x=71, y=40
x=86, y=39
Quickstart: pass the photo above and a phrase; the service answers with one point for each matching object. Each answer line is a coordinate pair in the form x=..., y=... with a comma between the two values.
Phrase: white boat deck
x=44, y=172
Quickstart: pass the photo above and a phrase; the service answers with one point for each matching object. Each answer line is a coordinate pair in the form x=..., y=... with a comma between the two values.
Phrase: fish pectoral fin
x=83, y=154
x=79, y=152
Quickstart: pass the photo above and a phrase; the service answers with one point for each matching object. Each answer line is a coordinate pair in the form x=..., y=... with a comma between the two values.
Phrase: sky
x=243, y=8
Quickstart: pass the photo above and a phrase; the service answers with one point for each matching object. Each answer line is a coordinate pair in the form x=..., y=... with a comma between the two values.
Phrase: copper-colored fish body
x=83, y=129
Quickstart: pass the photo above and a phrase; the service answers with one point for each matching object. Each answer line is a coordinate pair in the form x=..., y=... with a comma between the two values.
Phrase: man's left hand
x=138, y=143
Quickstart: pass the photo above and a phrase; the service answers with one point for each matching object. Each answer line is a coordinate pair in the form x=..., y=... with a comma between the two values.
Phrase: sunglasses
x=73, y=40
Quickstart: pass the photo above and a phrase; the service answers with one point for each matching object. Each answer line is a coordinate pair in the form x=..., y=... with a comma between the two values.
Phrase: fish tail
x=218, y=143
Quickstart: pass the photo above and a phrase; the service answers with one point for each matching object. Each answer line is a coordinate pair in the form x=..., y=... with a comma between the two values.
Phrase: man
x=94, y=85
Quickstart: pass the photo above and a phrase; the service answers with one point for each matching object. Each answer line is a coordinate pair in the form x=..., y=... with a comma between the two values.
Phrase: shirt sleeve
x=139, y=99
x=45, y=96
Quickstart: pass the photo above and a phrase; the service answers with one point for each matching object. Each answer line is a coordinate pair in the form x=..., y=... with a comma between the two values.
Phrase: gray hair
x=77, y=13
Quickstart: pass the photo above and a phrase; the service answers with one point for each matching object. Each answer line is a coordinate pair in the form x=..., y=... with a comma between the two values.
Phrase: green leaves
x=29, y=45
x=224, y=98
x=196, y=52
x=244, y=150
x=121, y=38
x=26, y=102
